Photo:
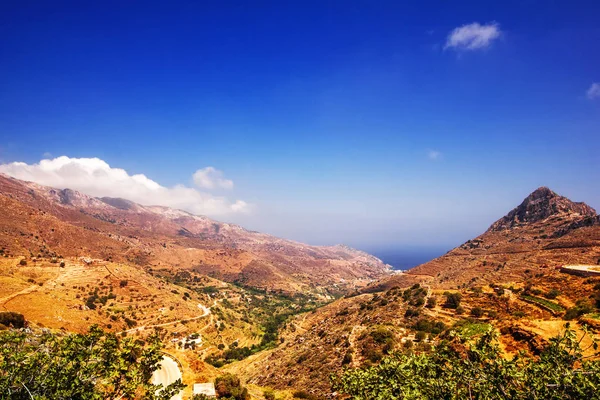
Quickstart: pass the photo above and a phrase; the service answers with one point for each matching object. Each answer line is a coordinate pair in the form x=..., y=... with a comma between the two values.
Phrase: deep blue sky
x=322, y=113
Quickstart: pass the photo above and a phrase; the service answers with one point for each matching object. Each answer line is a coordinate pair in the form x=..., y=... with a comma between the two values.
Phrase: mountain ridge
x=157, y=235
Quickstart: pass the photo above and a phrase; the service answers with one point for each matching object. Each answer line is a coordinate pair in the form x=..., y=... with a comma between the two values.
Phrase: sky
x=381, y=125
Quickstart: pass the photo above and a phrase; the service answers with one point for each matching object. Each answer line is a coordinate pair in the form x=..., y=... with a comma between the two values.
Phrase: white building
x=207, y=389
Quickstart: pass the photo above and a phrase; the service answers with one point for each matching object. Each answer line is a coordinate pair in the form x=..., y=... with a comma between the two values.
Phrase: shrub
x=229, y=386
x=347, y=358
x=452, y=300
x=302, y=394
x=123, y=283
x=382, y=335
x=12, y=319
x=431, y=302
x=477, y=312
x=268, y=394
x=581, y=308
x=23, y=262
x=429, y=326
x=552, y=294
x=412, y=312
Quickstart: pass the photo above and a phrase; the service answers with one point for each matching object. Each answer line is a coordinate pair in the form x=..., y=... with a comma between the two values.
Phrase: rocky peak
x=538, y=206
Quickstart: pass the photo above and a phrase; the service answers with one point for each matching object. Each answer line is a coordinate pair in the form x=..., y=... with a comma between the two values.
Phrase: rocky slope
x=43, y=221
x=540, y=205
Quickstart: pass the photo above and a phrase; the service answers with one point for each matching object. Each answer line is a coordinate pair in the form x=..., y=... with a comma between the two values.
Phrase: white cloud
x=211, y=178
x=594, y=91
x=95, y=177
x=472, y=36
x=434, y=154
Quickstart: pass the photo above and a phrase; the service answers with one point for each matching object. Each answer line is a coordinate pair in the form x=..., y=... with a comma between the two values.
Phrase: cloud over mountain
x=96, y=177
x=211, y=178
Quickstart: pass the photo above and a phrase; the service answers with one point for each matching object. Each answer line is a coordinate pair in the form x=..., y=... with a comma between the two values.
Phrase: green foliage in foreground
x=457, y=369
x=95, y=365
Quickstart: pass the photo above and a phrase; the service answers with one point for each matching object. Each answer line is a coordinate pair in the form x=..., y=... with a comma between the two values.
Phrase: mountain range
x=39, y=220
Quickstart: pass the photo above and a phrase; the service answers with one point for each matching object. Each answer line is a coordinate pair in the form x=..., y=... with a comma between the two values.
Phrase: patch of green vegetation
x=270, y=312
x=469, y=328
x=430, y=326
x=546, y=303
x=582, y=307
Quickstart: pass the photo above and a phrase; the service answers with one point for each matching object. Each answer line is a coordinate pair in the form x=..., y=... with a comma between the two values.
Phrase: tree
x=229, y=386
x=94, y=365
x=459, y=369
x=452, y=300
x=431, y=302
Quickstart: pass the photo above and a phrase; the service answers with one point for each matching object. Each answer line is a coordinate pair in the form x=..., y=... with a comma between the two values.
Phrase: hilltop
x=546, y=229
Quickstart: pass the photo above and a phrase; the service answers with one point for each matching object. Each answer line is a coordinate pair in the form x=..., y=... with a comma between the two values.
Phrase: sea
x=402, y=260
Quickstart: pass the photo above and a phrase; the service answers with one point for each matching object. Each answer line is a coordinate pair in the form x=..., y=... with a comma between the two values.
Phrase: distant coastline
x=402, y=260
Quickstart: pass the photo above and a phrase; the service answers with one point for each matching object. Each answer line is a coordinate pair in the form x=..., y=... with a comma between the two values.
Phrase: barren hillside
x=41, y=221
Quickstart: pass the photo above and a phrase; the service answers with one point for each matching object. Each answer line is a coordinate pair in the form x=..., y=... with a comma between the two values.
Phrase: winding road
x=168, y=373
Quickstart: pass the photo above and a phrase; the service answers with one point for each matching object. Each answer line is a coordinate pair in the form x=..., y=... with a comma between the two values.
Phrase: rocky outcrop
x=540, y=205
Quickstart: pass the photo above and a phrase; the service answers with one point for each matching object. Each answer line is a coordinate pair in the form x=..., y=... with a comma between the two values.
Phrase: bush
x=412, y=312
x=23, y=262
x=452, y=300
x=581, y=308
x=302, y=394
x=123, y=283
x=382, y=335
x=229, y=386
x=12, y=319
x=552, y=294
x=431, y=302
x=268, y=394
x=429, y=326
x=347, y=358
x=477, y=312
